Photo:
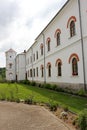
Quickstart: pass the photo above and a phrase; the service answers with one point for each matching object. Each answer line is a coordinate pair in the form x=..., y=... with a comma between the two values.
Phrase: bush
x=48, y=86
x=65, y=108
x=33, y=83
x=3, y=96
x=82, y=120
x=53, y=107
x=17, y=100
x=52, y=104
x=25, y=82
x=29, y=100
x=54, y=87
x=75, y=122
x=81, y=92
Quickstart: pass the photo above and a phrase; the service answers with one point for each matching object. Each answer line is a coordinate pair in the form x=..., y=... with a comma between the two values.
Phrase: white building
x=59, y=54
x=20, y=66
x=10, y=64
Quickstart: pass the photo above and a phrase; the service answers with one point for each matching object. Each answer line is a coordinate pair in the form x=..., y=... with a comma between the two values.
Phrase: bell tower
x=10, y=65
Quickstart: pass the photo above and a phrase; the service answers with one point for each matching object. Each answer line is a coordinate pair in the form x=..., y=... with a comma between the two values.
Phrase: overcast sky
x=22, y=20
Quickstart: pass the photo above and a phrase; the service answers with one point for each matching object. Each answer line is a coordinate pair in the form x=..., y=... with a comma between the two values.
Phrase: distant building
x=10, y=64
x=20, y=67
x=15, y=66
x=59, y=53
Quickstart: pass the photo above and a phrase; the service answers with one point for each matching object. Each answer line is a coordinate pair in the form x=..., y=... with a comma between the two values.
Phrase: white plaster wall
x=84, y=31
x=68, y=46
x=20, y=66
x=10, y=59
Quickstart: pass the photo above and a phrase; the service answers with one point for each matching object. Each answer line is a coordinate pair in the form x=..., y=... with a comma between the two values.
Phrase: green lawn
x=75, y=104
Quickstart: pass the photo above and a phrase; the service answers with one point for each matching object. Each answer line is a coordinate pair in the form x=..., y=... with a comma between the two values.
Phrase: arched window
x=48, y=43
x=48, y=46
x=74, y=66
x=42, y=70
x=73, y=59
x=49, y=69
x=72, y=28
x=71, y=25
x=30, y=72
x=58, y=38
x=10, y=65
x=41, y=47
x=59, y=69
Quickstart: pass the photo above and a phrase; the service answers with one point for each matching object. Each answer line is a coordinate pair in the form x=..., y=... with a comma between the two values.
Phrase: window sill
x=74, y=76
x=72, y=36
x=58, y=45
x=59, y=76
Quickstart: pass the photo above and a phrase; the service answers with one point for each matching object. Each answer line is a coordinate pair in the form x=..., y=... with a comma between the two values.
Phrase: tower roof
x=10, y=50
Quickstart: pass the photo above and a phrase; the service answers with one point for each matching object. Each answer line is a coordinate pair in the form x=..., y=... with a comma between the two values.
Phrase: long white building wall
x=68, y=46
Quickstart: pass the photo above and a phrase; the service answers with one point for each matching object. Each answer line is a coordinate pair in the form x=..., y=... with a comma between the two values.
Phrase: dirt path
x=15, y=116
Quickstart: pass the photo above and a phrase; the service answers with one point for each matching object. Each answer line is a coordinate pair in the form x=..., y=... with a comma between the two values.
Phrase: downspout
x=32, y=63
x=15, y=70
x=44, y=59
x=82, y=44
x=25, y=65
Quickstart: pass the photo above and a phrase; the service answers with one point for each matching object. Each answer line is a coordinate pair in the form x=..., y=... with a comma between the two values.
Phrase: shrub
x=48, y=86
x=29, y=100
x=3, y=96
x=65, y=108
x=82, y=120
x=75, y=121
x=81, y=92
x=53, y=107
x=25, y=82
x=54, y=87
x=33, y=83
x=42, y=85
x=17, y=100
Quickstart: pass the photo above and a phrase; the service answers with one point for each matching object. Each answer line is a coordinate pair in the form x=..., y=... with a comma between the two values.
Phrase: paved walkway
x=20, y=116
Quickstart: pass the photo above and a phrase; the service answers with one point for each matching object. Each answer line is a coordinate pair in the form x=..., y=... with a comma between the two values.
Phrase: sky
x=21, y=21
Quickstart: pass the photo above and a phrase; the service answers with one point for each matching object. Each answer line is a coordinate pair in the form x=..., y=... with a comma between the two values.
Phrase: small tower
x=10, y=65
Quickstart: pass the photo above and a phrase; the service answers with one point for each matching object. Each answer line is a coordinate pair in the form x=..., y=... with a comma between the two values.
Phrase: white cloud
x=22, y=20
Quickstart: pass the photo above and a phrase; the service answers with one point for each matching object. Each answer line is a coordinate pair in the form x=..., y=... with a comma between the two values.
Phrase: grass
x=75, y=103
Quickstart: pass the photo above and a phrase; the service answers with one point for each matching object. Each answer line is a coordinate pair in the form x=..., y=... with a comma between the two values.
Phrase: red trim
x=41, y=67
x=57, y=31
x=70, y=19
x=48, y=40
x=73, y=55
x=41, y=46
x=58, y=61
x=48, y=64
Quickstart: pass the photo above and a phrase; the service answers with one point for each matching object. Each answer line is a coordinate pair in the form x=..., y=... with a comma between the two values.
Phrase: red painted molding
x=72, y=56
x=57, y=31
x=48, y=64
x=41, y=46
x=41, y=67
x=48, y=40
x=70, y=19
x=58, y=61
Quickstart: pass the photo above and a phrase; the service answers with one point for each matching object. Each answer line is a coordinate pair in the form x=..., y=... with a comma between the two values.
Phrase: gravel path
x=20, y=116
